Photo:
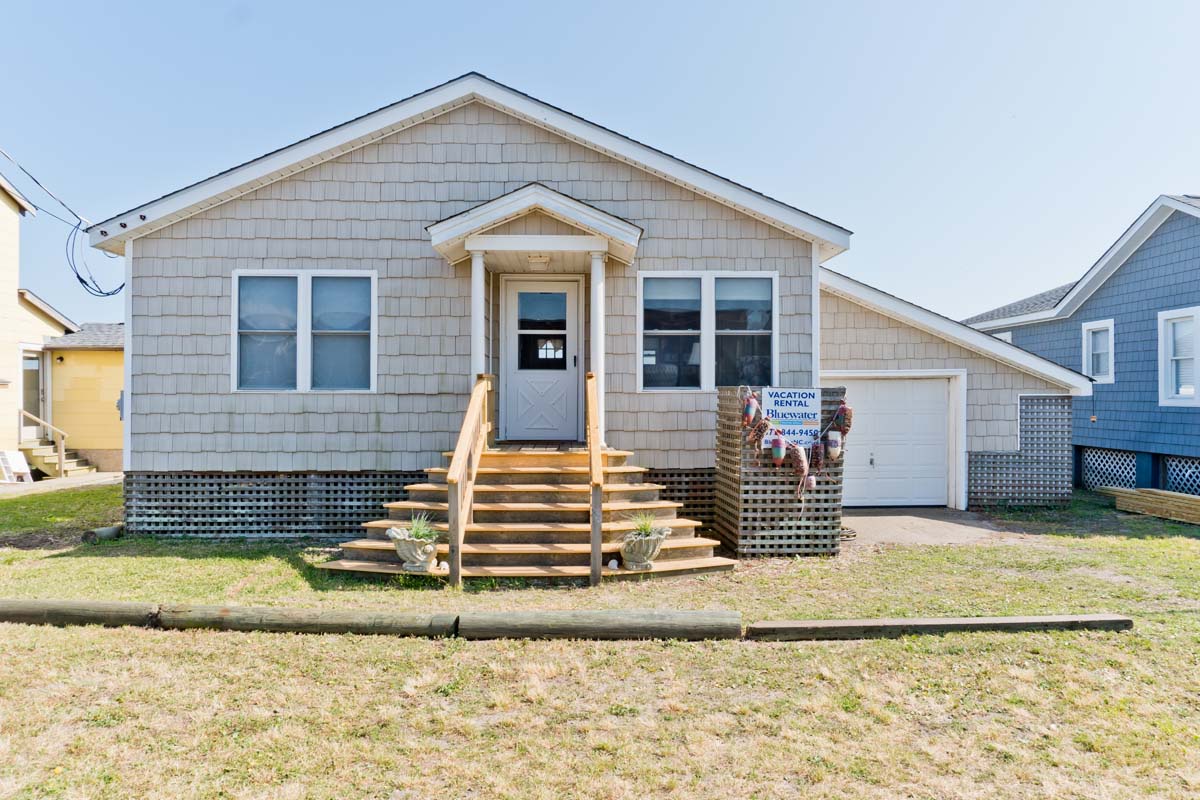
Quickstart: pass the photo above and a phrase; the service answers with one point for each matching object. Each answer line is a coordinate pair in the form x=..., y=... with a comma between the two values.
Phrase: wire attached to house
x=75, y=248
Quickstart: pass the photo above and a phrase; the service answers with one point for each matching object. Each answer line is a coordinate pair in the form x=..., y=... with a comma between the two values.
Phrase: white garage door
x=897, y=453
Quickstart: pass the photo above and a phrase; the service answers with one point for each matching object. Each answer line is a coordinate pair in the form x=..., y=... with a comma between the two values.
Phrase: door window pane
x=267, y=361
x=31, y=385
x=267, y=303
x=670, y=362
x=671, y=304
x=539, y=351
x=743, y=304
x=341, y=361
x=542, y=311
x=341, y=304
x=744, y=360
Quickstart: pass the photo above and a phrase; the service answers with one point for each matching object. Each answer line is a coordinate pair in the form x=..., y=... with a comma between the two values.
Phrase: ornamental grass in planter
x=416, y=545
x=642, y=545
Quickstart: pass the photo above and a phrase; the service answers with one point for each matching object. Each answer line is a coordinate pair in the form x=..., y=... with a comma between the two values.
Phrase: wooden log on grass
x=598, y=624
x=78, y=612
x=306, y=620
x=806, y=629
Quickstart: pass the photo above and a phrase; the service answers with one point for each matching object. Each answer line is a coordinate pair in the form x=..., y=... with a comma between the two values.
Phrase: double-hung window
x=1177, y=357
x=700, y=330
x=304, y=331
x=1098, y=351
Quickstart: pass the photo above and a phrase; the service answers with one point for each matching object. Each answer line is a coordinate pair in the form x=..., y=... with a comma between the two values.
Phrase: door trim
x=956, y=476
x=502, y=334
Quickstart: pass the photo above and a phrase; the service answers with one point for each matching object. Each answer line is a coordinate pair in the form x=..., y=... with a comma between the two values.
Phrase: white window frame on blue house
x=1088, y=328
x=1166, y=389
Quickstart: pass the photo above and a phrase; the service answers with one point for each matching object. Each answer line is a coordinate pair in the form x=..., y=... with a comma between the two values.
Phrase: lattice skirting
x=1040, y=473
x=1182, y=474
x=695, y=488
x=258, y=505
x=1109, y=468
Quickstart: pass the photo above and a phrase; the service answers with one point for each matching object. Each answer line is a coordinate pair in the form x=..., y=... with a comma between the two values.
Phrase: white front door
x=897, y=453
x=32, y=394
x=540, y=391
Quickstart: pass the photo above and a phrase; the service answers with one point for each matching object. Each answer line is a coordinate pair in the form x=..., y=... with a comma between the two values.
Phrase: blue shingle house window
x=1097, y=361
x=1177, y=357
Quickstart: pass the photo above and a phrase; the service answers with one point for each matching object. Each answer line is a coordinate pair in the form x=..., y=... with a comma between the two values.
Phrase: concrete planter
x=639, y=549
x=416, y=555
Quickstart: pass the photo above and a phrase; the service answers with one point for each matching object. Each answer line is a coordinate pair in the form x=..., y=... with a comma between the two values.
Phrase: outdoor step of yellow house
x=540, y=532
x=508, y=554
x=668, y=568
x=43, y=456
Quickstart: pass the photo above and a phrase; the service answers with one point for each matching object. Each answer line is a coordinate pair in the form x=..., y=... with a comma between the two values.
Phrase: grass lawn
x=89, y=712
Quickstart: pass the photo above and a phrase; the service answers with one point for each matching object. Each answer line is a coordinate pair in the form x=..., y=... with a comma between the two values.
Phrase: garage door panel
x=898, y=451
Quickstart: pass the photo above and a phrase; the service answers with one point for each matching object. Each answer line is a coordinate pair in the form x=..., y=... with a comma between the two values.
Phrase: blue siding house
x=1129, y=323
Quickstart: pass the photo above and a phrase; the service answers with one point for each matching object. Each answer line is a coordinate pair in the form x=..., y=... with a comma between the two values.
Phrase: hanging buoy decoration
x=833, y=445
x=843, y=418
x=816, y=460
x=750, y=411
x=778, y=448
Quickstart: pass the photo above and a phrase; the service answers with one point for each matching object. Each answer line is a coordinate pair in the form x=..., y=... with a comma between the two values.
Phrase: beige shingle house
x=308, y=326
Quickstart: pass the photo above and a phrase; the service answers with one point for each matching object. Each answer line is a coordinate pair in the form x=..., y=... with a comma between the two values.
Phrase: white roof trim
x=450, y=235
x=112, y=233
x=49, y=310
x=1116, y=255
x=956, y=332
x=10, y=190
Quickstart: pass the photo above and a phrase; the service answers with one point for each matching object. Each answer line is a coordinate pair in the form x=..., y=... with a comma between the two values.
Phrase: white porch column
x=478, y=339
x=597, y=312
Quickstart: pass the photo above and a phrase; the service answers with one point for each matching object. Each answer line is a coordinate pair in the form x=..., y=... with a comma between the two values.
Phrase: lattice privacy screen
x=1109, y=468
x=1183, y=474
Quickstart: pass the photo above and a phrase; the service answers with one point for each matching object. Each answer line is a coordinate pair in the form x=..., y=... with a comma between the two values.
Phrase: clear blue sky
x=980, y=151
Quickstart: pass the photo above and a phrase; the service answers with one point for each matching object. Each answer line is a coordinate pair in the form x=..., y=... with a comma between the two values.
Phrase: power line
x=75, y=248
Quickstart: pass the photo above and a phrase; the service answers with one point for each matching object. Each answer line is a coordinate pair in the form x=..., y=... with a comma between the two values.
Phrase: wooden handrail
x=464, y=464
x=596, y=474
x=60, y=438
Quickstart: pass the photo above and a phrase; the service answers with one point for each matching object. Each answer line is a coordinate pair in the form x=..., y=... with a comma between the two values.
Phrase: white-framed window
x=1004, y=336
x=304, y=330
x=701, y=330
x=1177, y=357
x=1098, y=350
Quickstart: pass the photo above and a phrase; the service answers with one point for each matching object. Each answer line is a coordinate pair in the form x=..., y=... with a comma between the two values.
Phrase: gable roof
x=1135, y=235
x=22, y=202
x=449, y=236
x=1037, y=302
x=960, y=334
x=47, y=309
x=91, y=336
x=112, y=233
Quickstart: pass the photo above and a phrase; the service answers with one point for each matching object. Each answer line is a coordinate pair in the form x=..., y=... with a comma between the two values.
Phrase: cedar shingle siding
x=368, y=210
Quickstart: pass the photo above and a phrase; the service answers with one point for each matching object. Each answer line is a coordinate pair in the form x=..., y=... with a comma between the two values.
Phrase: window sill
x=1178, y=402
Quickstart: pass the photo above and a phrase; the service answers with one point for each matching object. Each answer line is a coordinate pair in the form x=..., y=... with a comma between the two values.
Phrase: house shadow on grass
x=300, y=555
x=1089, y=515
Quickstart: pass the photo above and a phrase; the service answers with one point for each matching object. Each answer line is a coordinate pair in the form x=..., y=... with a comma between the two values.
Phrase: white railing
x=60, y=437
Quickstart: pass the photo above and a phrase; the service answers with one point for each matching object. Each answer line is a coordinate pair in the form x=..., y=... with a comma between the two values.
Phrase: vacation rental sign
x=796, y=411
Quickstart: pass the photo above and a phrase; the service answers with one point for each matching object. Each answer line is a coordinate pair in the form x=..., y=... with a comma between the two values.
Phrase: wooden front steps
x=531, y=518
x=43, y=455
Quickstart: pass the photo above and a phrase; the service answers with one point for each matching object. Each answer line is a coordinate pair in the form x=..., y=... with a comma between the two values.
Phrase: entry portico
x=542, y=244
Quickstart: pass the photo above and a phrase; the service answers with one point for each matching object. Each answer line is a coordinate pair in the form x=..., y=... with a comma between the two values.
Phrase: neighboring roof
x=963, y=335
x=92, y=336
x=449, y=236
x=47, y=309
x=1038, y=302
x=1134, y=236
x=20, y=199
x=112, y=233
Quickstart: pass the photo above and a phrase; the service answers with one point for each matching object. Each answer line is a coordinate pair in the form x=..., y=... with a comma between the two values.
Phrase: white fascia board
x=112, y=233
x=535, y=243
x=448, y=237
x=958, y=333
x=23, y=204
x=1116, y=255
